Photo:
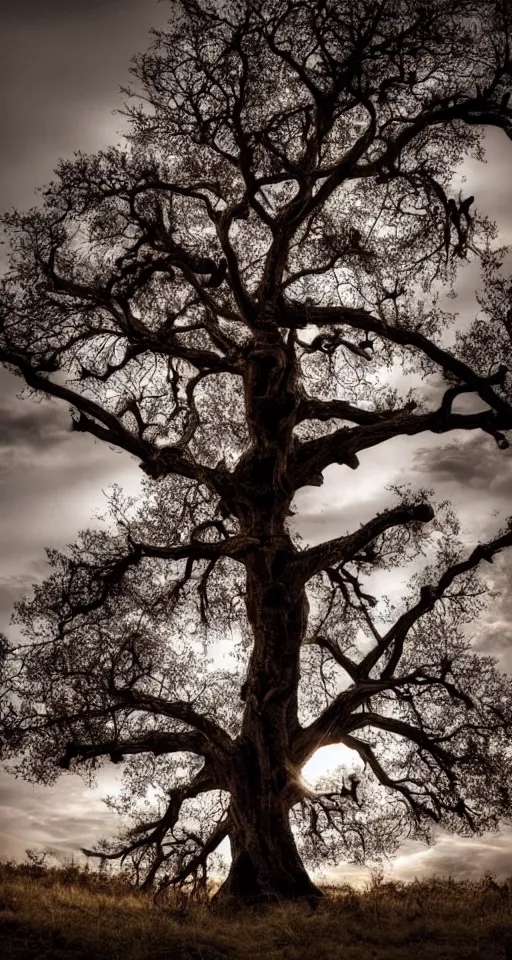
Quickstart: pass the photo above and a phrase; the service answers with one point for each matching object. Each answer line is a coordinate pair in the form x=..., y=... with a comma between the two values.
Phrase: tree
x=229, y=297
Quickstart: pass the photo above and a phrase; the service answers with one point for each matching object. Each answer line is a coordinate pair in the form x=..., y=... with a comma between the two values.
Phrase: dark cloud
x=474, y=463
x=30, y=427
x=474, y=475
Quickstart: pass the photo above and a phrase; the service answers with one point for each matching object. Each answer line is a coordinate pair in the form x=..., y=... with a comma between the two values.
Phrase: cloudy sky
x=61, y=63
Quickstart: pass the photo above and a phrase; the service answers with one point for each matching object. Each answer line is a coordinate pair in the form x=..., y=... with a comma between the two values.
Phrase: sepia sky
x=61, y=64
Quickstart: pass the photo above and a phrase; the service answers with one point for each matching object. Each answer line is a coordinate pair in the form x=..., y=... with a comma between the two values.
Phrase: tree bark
x=266, y=865
x=264, y=783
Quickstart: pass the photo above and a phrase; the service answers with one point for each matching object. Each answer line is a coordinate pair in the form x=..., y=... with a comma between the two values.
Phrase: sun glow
x=325, y=760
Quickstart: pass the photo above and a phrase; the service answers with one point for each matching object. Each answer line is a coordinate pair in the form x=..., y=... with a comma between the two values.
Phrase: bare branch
x=156, y=742
x=311, y=408
x=296, y=315
x=366, y=753
x=342, y=549
x=430, y=594
x=218, y=834
x=156, y=461
x=343, y=445
x=154, y=832
x=220, y=742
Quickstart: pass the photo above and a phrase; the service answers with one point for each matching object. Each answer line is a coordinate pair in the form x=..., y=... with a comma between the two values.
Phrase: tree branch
x=342, y=446
x=218, y=834
x=220, y=742
x=311, y=408
x=368, y=757
x=392, y=725
x=156, y=461
x=156, y=742
x=342, y=549
x=429, y=595
x=154, y=832
x=295, y=315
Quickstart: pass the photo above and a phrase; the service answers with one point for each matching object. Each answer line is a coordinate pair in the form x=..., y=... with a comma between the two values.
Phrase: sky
x=61, y=65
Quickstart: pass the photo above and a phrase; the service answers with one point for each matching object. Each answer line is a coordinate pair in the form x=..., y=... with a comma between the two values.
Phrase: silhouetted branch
x=296, y=315
x=182, y=710
x=343, y=549
x=156, y=742
x=430, y=594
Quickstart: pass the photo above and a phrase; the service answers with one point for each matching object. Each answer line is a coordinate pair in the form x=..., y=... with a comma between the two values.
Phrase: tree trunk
x=263, y=783
x=266, y=865
x=267, y=869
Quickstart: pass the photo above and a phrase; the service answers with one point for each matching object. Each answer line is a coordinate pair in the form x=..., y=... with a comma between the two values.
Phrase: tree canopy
x=241, y=295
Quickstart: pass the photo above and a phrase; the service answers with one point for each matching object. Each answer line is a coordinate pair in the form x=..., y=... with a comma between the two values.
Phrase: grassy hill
x=66, y=914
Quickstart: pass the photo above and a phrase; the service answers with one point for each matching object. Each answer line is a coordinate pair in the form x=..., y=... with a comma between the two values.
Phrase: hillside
x=66, y=914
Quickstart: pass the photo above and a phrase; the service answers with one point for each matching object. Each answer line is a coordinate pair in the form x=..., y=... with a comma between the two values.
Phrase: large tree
x=234, y=297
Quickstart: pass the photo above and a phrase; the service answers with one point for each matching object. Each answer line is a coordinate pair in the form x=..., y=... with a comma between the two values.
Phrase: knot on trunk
x=276, y=595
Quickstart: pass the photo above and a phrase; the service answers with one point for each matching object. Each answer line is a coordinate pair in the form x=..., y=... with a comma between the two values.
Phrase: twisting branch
x=105, y=580
x=156, y=461
x=342, y=549
x=339, y=717
x=218, y=834
x=325, y=643
x=445, y=758
x=219, y=741
x=343, y=445
x=156, y=742
x=296, y=315
x=311, y=408
x=153, y=833
x=419, y=808
x=430, y=594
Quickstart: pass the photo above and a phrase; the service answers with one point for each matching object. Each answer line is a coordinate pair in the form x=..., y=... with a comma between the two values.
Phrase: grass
x=66, y=914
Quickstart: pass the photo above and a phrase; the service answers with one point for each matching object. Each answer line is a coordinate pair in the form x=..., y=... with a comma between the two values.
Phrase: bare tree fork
x=298, y=316
x=343, y=445
x=228, y=297
x=340, y=717
x=152, y=835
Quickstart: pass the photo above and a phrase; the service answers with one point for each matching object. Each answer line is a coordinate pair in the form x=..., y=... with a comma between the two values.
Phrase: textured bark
x=266, y=865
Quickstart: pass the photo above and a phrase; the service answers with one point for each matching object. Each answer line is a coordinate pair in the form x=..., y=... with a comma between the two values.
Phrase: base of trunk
x=254, y=883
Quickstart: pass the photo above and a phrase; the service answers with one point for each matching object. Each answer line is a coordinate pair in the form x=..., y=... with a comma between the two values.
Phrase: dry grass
x=63, y=914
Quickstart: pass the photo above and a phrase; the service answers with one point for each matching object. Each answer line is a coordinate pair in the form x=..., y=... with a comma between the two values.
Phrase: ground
x=62, y=915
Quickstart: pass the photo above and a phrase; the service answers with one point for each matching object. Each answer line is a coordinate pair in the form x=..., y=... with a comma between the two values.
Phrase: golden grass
x=63, y=914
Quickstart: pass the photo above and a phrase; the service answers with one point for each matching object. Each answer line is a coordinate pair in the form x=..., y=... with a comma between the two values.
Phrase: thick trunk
x=263, y=782
x=267, y=869
x=266, y=865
